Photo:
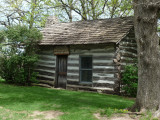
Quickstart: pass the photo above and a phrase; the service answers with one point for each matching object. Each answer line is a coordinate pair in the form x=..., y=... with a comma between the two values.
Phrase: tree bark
x=145, y=18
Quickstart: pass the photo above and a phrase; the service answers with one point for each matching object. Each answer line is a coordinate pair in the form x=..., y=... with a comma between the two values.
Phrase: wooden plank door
x=61, y=71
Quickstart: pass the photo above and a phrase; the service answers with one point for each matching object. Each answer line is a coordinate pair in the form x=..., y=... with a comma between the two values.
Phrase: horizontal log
x=129, y=49
x=103, y=75
x=107, y=85
x=103, y=67
x=77, y=80
x=71, y=56
x=45, y=61
x=42, y=85
x=111, y=54
x=94, y=88
x=45, y=67
x=46, y=82
x=44, y=77
x=106, y=71
x=73, y=64
x=96, y=53
x=79, y=83
x=73, y=68
x=101, y=70
x=95, y=58
x=93, y=50
x=102, y=61
x=45, y=73
x=50, y=71
x=128, y=54
x=105, y=49
x=73, y=61
x=128, y=44
x=128, y=60
x=104, y=81
x=73, y=76
x=104, y=57
x=104, y=64
x=72, y=82
x=96, y=78
x=47, y=57
x=72, y=71
x=96, y=62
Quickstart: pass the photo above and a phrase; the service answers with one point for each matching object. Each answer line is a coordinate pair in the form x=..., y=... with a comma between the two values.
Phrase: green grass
x=17, y=102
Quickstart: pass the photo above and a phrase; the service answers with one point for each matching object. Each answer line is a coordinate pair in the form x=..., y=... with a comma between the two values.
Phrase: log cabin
x=86, y=55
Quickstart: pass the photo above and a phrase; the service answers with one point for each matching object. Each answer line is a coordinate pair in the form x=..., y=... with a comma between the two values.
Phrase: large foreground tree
x=146, y=16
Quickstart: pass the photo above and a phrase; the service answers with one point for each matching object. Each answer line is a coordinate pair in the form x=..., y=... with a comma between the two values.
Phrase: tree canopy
x=35, y=12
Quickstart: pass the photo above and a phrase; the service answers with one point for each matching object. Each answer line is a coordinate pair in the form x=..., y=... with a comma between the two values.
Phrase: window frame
x=81, y=69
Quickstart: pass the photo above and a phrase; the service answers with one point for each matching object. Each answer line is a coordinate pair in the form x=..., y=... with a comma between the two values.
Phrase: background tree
x=17, y=62
x=145, y=18
x=26, y=12
x=91, y=9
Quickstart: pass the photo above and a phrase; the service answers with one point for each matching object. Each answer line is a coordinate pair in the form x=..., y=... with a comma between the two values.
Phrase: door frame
x=57, y=70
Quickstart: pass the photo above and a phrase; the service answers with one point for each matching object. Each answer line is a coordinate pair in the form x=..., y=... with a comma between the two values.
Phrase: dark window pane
x=86, y=62
x=86, y=76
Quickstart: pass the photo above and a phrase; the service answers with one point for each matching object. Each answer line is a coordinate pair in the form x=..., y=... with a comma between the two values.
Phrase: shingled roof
x=87, y=32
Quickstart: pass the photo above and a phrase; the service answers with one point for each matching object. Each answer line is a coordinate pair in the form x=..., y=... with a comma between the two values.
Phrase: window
x=86, y=68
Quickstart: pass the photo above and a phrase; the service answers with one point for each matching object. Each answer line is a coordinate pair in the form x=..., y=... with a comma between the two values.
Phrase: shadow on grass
x=37, y=98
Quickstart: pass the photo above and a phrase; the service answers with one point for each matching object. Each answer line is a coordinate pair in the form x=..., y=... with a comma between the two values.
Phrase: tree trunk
x=148, y=95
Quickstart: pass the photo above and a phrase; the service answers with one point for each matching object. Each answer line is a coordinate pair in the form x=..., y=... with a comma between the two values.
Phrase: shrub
x=18, y=60
x=130, y=80
x=18, y=69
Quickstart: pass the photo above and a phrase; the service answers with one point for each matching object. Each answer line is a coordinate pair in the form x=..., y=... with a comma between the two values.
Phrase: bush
x=130, y=80
x=18, y=69
x=18, y=60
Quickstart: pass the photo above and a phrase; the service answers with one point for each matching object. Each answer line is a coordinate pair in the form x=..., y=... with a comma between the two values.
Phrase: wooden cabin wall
x=126, y=54
x=46, y=66
x=104, y=69
x=128, y=50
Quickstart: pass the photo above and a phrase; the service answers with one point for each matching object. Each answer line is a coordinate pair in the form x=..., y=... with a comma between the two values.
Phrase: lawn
x=20, y=103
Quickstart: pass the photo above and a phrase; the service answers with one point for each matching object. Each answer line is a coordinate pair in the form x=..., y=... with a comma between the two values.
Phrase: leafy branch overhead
x=21, y=36
x=35, y=12
x=94, y=9
x=26, y=12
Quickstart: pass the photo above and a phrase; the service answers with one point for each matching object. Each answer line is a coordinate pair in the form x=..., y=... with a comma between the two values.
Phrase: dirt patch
x=46, y=115
x=116, y=117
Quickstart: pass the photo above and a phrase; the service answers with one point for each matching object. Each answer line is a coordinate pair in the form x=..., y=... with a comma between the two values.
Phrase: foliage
x=92, y=9
x=18, y=60
x=110, y=111
x=21, y=102
x=130, y=80
x=1, y=80
x=18, y=69
x=32, y=13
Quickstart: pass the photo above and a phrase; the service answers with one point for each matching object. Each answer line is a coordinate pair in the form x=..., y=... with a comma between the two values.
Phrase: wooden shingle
x=87, y=32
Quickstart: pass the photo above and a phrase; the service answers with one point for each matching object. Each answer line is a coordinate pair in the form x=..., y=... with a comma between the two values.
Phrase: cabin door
x=61, y=71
